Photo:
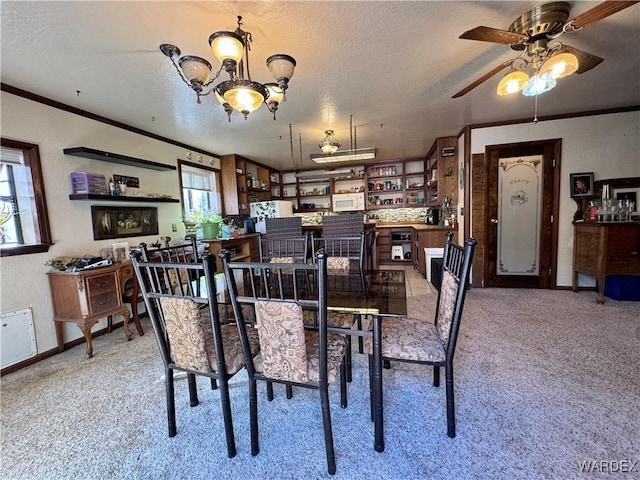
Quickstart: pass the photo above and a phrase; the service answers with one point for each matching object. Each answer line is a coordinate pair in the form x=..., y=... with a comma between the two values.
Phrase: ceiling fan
x=534, y=34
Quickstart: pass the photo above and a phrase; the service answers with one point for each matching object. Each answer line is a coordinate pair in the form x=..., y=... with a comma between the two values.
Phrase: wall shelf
x=103, y=156
x=120, y=198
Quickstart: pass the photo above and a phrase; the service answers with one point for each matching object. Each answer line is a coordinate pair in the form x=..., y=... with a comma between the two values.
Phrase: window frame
x=217, y=180
x=31, y=153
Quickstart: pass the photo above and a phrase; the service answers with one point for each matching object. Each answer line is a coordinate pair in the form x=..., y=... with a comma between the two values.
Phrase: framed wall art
x=122, y=222
x=581, y=184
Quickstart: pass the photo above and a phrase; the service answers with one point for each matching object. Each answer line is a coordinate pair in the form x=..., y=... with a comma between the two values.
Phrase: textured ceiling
x=393, y=66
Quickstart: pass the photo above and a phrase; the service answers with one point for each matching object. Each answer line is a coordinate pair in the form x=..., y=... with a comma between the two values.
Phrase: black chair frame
x=456, y=260
x=278, y=281
x=156, y=283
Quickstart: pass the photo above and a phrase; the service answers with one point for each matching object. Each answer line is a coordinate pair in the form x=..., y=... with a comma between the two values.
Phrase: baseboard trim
x=50, y=353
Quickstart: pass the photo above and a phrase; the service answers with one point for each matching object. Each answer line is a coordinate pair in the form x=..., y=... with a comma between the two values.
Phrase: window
x=200, y=189
x=24, y=222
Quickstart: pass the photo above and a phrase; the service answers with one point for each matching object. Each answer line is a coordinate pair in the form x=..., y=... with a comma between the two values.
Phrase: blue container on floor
x=623, y=287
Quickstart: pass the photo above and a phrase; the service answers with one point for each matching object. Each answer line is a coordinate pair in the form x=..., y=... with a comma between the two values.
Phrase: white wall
x=23, y=277
x=608, y=145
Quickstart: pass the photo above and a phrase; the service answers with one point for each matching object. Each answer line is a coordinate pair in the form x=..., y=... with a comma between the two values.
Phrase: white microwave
x=348, y=202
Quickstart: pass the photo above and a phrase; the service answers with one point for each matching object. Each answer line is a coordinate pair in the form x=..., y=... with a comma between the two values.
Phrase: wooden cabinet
x=601, y=249
x=243, y=248
x=84, y=298
x=233, y=174
x=275, y=180
x=394, y=245
x=396, y=184
x=314, y=194
x=432, y=238
x=442, y=171
x=243, y=182
x=383, y=245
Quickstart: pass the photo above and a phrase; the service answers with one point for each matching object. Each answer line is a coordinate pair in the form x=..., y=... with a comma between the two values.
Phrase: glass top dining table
x=384, y=296
x=381, y=294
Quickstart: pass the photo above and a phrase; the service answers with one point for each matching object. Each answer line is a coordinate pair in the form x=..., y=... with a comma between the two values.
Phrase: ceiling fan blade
x=600, y=11
x=483, y=79
x=494, y=35
x=586, y=61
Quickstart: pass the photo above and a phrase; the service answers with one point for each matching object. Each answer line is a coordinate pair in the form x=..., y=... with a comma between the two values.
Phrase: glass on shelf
x=612, y=210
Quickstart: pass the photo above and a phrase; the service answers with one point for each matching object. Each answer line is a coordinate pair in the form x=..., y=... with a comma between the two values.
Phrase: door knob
x=494, y=220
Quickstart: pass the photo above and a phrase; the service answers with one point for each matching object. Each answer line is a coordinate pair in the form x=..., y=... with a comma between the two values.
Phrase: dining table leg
x=378, y=419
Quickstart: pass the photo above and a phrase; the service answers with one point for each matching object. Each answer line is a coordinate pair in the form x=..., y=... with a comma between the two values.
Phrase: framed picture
x=630, y=195
x=122, y=222
x=581, y=184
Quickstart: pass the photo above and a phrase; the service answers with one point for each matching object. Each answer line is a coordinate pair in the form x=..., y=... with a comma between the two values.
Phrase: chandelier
x=548, y=64
x=239, y=92
x=329, y=145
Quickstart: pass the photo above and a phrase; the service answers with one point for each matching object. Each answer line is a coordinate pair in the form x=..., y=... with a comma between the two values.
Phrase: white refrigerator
x=271, y=209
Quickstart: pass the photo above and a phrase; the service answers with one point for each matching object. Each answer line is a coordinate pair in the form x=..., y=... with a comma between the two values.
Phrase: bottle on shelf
x=112, y=187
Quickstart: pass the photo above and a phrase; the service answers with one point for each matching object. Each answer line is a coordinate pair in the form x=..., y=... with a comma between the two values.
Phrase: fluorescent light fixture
x=345, y=156
x=329, y=173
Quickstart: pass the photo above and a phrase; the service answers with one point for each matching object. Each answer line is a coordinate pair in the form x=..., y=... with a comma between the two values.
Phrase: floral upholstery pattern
x=191, y=337
x=338, y=265
x=182, y=273
x=448, y=294
x=340, y=320
x=310, y=318
x=291, y=353
x=336, y=348
x=334, y=319
x=282, y=341
x=409, y=339
x=284, y=260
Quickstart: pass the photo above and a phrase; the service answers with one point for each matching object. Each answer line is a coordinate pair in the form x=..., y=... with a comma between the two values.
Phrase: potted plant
x=208, y=221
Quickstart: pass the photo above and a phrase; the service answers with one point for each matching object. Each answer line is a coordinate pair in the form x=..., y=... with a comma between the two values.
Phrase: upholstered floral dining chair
x=189, y=332
x=292, y=352
x=417, y=340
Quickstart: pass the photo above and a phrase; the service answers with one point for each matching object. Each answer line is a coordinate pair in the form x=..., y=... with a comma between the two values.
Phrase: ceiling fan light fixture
x=560, y=65
x=538, y=84
x=512, y=82
x=329, y=145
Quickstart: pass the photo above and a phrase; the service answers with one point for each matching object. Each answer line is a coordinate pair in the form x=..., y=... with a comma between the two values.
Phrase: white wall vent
x=17, y=337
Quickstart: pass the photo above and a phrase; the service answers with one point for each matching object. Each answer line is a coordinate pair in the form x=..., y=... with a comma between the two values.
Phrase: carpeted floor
x=546, y=381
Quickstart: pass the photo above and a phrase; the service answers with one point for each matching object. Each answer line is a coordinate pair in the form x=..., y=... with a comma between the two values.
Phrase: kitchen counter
x=415, y=226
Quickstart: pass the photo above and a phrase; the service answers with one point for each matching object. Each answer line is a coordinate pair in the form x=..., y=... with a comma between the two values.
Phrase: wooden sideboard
x=605, y=248
x=84, y=298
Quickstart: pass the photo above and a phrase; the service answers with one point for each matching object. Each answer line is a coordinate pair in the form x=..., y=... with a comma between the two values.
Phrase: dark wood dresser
x=607, y=248
x=84, y=298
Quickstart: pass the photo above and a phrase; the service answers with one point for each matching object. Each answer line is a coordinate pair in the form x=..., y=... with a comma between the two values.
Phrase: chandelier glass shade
x=329, y=145
x=240, y=92
x=555, y=66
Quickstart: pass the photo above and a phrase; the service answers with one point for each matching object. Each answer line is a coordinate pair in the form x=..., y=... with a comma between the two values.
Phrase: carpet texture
x=546, y=382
